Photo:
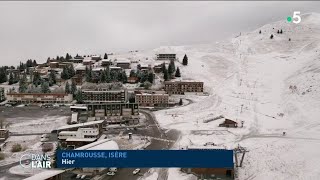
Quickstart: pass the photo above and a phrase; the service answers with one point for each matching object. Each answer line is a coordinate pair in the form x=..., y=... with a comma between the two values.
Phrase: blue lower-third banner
x=145, y=158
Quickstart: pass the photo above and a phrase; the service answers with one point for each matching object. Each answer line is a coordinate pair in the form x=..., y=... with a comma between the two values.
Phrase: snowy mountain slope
x=272, y=85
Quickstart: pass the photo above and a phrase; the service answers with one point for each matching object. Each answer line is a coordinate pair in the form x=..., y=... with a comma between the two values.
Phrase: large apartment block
x=152, y=100
x=113, y=109
x=166, y=56
x=181, y=87
x=2, y=97
x=39, y=97
x=104, y=96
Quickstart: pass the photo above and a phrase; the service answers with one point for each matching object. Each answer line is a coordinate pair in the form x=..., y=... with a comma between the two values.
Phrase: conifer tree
x=23, y=86
x=73, y=89
x=171, y=67
x=55, y=156
x=105, y=56
x=124, y=78
x=68, y=57
x=79, y=96
x=3, y=75
x=185, y=60
x=165, y=74
x=45, y=87
x=180, y=102
x=11, y=78
x=271, y=37
x=89, y=74
x=147, y=85
x=52, y=78
x=163, y=67
x=36, y=79
x=67, y=88
x=103, y=76
x=150, y=77
x=71, y=71
x=64, y=73
x=178, y=74
x=34, y=64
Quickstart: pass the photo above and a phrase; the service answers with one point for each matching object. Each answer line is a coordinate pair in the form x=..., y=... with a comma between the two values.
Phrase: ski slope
x=272, y=85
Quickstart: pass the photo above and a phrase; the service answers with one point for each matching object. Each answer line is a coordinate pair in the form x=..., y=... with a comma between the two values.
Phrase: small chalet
x=123, y=63
x=229, y=123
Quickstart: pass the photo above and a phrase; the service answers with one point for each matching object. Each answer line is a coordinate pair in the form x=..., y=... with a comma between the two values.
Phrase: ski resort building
x=76, y=60
x=166, y=56
x=229, y=123
x=81, y=137
x=27, y=98
x=123, y=63
x=113, y=109
x=96, y=58
x=223, y=172
x=104, y=96
x=152, y=100
x=106, y=62
x=182, y=87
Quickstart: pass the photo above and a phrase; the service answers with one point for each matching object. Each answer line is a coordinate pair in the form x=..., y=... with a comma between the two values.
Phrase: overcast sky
x=37, y=30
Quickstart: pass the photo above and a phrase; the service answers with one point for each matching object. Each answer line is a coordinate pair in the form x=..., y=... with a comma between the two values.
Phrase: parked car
x=111, y=173
x=136, y=171
x=113, y=169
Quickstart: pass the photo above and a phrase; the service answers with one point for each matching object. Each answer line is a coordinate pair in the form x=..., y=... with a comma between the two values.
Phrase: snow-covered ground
x=272, y=85
x=40, y=125
x=29, y=143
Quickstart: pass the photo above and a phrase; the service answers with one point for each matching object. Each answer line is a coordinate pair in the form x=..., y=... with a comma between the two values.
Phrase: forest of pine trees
x=68, y=72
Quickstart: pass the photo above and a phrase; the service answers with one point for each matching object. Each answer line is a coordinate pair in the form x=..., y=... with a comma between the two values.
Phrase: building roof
x=78, y=107
x=122, y=60
x=68, y=132
x=97, y=69
x=114, y=67
x=105, y=144
x=80, y=125
x=81, y=139
x=76, y=59
x=101, y=91
x=45, y=175
x=189, y=81
x=150, y=94
x=87, y=60
x=80, y=67
x=40, y=94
